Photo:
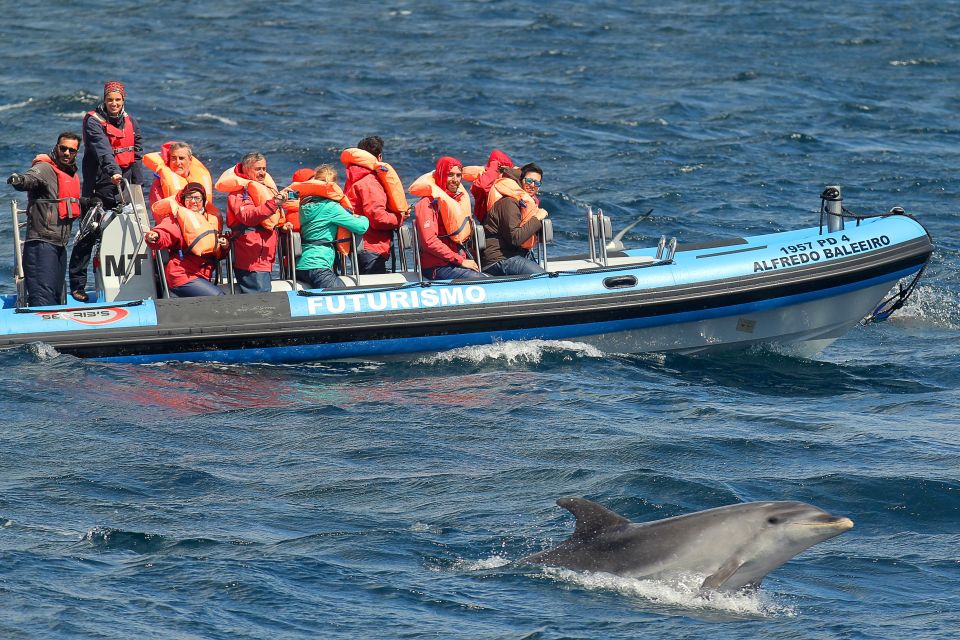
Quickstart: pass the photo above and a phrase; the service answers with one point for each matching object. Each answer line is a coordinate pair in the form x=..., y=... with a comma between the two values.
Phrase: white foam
x=511, y=351
x=220, y=119
x=43, y=351
x=15, y=105
x=684, y=592
x=930, y=305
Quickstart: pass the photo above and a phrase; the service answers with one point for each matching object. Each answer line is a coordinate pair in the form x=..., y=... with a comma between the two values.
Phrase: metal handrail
x=18, y=276
x=591, y=240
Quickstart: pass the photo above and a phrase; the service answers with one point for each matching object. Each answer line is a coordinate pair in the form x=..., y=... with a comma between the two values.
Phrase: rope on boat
x=134, y=303
x=433, y=283
x=896, y=301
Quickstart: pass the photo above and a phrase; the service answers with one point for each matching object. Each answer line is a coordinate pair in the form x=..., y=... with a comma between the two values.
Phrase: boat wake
x=515, y=352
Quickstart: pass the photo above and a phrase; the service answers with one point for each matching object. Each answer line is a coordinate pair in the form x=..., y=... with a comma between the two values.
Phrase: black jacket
x=504, y=232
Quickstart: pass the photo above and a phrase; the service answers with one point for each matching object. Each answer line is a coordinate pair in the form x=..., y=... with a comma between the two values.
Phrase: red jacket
x=253, y=250
x=434, y=250
x=181, y=268
x=369, y=200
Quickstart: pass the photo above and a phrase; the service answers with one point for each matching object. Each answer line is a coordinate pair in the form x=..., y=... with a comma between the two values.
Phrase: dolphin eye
x=773, y=520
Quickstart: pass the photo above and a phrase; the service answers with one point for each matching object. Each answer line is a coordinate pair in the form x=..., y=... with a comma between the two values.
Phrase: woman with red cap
x=441, y=257
x=112, y=150
x=112, y=146
x=193, y=236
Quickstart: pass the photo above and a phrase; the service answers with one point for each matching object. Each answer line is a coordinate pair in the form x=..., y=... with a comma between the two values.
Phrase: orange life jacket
x=389, y=180
x=508, y=187
x=231, y=182
x=330, y=191
x=291, y=207
x=68, y=189
x=199, y=230
x=121, y=140
x=172, y=182
x=454, y=214
x=472, y=172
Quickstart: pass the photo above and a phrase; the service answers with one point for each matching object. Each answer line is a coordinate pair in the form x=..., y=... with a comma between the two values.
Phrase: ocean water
x=391, y=500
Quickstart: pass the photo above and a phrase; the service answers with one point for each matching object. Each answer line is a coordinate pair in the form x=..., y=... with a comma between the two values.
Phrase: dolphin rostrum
x=733, y=546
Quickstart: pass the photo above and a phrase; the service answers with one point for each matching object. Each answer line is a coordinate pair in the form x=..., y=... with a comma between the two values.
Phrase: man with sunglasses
x=53, y=202
x=508, y=228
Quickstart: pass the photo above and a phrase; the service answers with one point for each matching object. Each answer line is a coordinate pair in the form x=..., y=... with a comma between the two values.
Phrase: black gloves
x=89, y=203
x=15, y=179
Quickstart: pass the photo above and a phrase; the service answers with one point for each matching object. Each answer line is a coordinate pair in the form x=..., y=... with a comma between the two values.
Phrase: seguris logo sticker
x=89, y=317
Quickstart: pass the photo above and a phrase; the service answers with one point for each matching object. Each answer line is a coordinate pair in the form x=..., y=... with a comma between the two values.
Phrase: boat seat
x=380, y=279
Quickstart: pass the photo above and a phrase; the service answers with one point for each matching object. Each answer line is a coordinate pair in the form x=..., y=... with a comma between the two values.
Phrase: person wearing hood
x=369, y=199
x=480, y=188
x=112, y=150
x=189, y=274
x=440, y=257
x=509, y=226
x=53, y=201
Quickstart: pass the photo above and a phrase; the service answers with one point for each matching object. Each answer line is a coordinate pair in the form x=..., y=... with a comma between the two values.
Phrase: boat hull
x=796, y=290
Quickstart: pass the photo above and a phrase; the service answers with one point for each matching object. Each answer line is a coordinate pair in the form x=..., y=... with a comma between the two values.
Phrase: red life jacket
x=68, y=189
x=121, y=140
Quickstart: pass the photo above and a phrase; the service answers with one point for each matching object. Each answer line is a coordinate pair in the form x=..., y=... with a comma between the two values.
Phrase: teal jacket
x=319, y=220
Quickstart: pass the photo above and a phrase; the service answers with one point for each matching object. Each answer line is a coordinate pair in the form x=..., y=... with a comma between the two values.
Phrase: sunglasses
x=64, y=149
x=535, y=183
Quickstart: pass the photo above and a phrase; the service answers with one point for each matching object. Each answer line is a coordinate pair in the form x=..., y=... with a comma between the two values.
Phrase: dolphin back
x=592, y=521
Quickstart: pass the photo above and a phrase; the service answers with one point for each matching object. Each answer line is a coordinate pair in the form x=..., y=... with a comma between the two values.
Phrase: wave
x=220, y=119
x=515, y=352
x=108, y=538
x=15, y=105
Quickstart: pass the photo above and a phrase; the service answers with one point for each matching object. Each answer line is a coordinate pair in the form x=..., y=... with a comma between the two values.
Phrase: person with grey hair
x=253, y=220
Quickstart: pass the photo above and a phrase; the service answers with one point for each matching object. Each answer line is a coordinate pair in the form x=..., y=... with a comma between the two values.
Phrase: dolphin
x=616, y=243
x=733, y=546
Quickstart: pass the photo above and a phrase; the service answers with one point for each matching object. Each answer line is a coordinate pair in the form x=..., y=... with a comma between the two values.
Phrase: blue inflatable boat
x=798, y=290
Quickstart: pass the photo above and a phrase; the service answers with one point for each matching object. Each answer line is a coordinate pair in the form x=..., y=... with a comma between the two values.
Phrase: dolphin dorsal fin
x=592, y=518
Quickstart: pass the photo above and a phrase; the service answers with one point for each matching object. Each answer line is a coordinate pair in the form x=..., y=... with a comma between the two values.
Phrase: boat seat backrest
x=546, y=233
x=603, y=226
x=297, y=244
x=480, y=237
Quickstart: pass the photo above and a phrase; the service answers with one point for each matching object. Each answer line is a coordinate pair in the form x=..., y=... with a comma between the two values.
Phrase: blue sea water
x=390, y=500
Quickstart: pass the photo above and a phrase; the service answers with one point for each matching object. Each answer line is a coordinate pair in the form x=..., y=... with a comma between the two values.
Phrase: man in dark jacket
x=53, y=201
x=506, y=231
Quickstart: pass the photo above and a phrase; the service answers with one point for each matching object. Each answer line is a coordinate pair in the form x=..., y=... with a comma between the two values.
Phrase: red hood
x=355, y=172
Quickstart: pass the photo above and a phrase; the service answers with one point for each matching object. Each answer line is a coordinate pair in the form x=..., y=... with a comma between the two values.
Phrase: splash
x=494, y=562
x=929, y=305
x=42, y=351
x=514, y=352
x=684, y=592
